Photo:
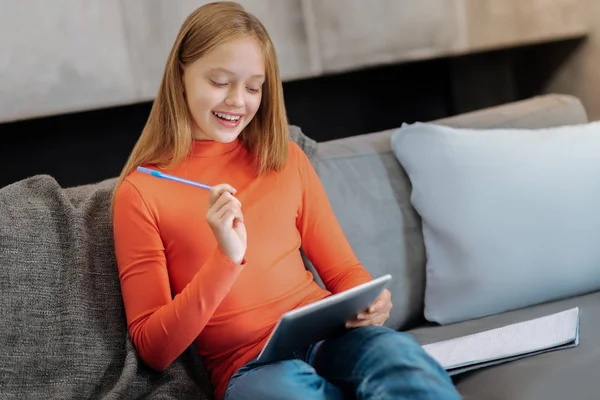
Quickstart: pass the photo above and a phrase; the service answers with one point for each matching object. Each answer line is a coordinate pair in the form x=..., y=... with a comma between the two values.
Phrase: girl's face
x=223, y=89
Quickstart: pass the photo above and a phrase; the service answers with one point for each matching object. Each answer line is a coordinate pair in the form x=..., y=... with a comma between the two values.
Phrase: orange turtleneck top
x=179, y=288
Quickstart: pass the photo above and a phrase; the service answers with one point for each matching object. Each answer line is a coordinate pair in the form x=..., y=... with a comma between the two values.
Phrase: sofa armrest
x=534, y=113
x=537, y=112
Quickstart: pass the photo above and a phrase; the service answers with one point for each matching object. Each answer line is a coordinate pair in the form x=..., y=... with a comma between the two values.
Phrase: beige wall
x=62, y=56
x=580, y=75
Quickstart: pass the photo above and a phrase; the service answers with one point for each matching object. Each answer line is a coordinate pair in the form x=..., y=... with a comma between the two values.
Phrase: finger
x=231, y=206
x=361, y=318
x=238, y=215
x=377, y=316
x=358, y=324
x=237, y=222
x=225, y=199
x=374, y=315
x=217, y=190
x=228, y=217
x=377, y=306
x=378, y=319
x=381, y=303
x=231, y=216
x=364, y=315
x=216, y=210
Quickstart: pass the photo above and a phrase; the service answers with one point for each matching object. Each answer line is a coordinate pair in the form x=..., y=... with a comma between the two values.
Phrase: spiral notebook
x=512, y=342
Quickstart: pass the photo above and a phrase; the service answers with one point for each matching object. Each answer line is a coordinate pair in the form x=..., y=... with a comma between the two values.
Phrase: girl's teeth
x=227, y=117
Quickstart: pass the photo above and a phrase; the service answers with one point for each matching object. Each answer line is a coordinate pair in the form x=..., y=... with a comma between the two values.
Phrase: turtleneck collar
x=210, y=148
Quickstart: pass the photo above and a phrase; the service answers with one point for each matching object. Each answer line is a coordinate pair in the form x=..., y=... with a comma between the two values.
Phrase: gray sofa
x=63, y=332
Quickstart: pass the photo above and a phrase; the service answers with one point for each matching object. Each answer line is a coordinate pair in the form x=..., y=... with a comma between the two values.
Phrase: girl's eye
x=218, y=84
x=252, y=90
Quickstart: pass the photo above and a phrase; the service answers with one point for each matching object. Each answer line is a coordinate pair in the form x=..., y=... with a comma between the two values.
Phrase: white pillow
x=510, y=217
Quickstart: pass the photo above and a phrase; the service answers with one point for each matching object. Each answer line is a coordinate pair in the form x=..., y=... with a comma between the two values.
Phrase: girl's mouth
x=228, y=120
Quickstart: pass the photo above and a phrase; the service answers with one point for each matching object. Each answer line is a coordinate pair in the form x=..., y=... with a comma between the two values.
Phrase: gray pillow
x=369, y=194
x=510, y=218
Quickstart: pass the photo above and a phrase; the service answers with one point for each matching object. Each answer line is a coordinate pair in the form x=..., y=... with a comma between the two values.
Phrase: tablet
x=317, y=321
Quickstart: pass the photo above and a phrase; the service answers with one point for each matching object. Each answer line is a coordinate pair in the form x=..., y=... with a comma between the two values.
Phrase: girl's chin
x=218, y=135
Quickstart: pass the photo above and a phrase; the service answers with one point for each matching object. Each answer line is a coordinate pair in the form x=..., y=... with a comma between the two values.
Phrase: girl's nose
x=235, y=98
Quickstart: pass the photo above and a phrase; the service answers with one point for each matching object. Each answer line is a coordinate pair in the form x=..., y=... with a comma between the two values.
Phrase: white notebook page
x=520, y=338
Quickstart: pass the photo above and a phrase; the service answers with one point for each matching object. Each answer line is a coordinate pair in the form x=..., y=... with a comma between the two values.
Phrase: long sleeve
x=323, y=239
x=161, y=326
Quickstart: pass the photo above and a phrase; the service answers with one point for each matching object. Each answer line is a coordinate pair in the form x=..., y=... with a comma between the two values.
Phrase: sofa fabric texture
x=556, y=375
x=371, y=197
x=64, y=333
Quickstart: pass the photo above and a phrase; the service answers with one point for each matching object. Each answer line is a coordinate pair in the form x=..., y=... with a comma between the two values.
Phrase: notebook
x=508, y=343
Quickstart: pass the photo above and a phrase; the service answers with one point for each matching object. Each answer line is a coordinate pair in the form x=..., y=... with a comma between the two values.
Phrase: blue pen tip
x=159, y=174
x=148, y=171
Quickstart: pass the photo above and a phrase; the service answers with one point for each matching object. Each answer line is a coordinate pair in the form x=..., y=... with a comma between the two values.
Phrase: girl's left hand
x=377, y=314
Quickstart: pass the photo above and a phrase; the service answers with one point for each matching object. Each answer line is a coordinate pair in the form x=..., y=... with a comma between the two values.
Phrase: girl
x=220, y=267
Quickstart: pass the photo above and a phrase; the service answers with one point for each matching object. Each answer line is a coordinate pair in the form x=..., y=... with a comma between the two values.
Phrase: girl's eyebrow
x=225, y=70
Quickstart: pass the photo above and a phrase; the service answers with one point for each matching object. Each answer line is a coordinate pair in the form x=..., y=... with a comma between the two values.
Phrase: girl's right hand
x=225, y=218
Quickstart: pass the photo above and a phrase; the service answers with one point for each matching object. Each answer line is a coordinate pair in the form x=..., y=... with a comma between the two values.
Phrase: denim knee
x=384, y=335
x=385, y=342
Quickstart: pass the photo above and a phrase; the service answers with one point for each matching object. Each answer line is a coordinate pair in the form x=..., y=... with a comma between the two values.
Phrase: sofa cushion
x=369, y=194
x=511, y=218
x=558, y=375
x=63, y=330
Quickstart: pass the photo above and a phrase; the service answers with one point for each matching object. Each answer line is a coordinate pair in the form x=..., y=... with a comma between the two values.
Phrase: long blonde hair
x=167, y=136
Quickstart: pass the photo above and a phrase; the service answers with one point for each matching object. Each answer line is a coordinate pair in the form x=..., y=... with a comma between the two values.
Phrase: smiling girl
x=218, y=268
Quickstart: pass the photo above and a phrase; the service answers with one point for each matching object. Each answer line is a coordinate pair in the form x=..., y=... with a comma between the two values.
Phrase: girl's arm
x=161, y=326
x=323, y=240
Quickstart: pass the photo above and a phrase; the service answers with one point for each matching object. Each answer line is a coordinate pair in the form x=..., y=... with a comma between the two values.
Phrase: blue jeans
x=371, y=362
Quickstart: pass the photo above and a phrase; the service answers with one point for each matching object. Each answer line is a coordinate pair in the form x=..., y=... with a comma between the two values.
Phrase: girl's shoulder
x=296, y=154
x=138, y=188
